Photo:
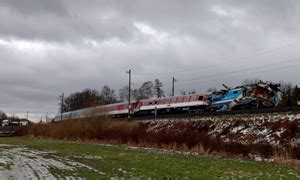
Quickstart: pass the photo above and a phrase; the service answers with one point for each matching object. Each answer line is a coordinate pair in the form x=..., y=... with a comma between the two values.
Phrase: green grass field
x=113, y=161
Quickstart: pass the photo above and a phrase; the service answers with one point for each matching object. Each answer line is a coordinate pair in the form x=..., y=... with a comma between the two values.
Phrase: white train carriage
x=195, y=102
x=177, y=104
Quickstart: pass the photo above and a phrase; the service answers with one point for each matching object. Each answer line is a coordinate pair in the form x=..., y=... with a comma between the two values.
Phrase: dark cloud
x=50, y=47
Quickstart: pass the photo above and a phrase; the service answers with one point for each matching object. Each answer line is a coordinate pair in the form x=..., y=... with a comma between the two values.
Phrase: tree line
x=291, y=95
x=92, y=97
x=2, y=116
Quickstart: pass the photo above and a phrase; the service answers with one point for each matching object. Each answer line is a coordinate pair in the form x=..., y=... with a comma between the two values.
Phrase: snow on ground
x=273, y=129
x=18, y=162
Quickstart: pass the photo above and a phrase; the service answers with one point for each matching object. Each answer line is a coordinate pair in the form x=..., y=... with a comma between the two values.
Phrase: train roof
x=198, y=94
x=134, y=101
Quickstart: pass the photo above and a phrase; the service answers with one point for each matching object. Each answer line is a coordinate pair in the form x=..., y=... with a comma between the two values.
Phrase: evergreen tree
x=286, y=94
x=295, y=96
x=158, y=88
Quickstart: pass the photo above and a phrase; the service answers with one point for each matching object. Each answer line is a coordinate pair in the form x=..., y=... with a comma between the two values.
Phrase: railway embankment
x=271, y=137
x=273, y=129
x=261, y=136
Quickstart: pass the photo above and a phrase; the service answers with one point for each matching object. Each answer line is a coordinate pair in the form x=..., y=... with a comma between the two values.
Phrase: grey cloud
x=32, y=7
x=50, y=47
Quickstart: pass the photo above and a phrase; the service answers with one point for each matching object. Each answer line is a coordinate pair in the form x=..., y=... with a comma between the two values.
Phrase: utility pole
x=46, y=117
x=173, y=86
x=62, y=106
x=27, y=115
x=129, y=92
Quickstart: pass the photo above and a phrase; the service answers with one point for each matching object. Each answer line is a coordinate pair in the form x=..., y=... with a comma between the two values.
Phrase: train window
x=200, y=98
x=179, y=99
x=150, y=103
x=166, y=101
x=183, y=98
x=195, y=98
x=155, y=102
x=186, y=99
x=235, y=92
x=190, y=98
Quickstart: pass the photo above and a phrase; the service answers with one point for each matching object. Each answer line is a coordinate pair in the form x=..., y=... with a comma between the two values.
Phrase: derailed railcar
x=258, y=95
x=169, y=105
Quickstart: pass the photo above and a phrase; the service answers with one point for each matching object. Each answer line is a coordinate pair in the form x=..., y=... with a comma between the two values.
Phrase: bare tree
x=124, y=93
x=135, y=94
x=145, y=91
x=250, y=81
x=78, y=100
x=182, y=92
x=211, y=90
x=192, y=92
x=2, y=116
x=108, y=95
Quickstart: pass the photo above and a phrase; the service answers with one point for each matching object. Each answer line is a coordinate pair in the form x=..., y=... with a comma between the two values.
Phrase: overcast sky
x=55, y=46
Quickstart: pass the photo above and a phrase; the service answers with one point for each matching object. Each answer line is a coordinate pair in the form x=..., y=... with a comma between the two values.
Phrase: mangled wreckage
x=258, y=95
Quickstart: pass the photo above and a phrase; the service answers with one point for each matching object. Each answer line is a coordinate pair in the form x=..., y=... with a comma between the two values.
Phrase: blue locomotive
x=258, y=95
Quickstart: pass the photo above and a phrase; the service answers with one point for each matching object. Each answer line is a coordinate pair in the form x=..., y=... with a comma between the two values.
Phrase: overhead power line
x=256, y=72
x=255, y=69
x=245, y=69
x=241, y=59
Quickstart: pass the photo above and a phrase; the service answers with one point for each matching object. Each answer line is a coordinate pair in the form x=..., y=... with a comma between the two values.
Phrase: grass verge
x=118, y=161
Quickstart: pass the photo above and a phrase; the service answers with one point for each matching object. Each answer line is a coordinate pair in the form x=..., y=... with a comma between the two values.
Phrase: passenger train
x=166, y=105
x=261, y=94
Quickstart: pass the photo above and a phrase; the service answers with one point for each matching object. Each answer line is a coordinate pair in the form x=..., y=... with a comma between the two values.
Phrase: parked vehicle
x=14, y=122
x=5, y=122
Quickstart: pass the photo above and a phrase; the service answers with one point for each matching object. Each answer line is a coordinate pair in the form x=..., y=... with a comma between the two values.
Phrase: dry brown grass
x=181, y=137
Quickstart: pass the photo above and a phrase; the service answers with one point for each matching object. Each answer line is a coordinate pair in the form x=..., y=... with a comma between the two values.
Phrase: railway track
x=214, y=114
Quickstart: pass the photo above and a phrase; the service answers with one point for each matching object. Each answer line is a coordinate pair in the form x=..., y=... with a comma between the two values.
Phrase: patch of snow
x=27, y=163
